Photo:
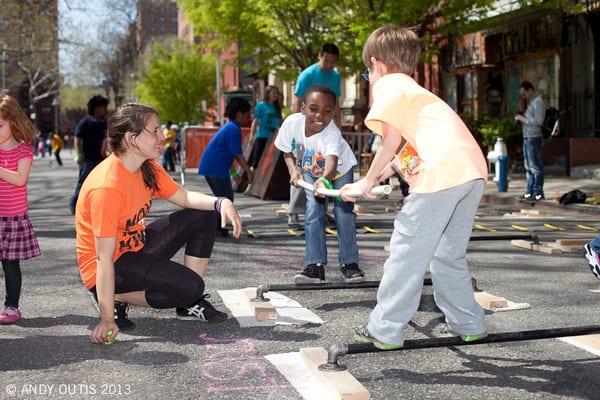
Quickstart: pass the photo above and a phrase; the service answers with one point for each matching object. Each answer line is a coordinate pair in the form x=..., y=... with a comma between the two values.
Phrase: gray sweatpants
x=432, y=230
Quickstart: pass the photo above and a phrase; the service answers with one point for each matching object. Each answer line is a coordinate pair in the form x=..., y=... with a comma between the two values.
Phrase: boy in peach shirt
x=447, y=174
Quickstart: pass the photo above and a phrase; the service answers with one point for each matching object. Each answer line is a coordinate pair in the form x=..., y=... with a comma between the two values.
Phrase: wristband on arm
x=233, y=174
x=217, y=204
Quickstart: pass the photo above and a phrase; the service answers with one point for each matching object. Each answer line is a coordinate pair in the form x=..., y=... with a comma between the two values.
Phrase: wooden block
x=392, y=209
x=341, y=382
x=523, y=244
x=387, y=248
x=532, y=212
x=572, y=242
x=281, y=212
x=265, y=311
x=490, y=301
x=545, y=249
x=566, y=249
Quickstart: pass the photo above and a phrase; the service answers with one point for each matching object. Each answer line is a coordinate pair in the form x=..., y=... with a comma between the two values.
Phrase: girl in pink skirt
x=17, y=239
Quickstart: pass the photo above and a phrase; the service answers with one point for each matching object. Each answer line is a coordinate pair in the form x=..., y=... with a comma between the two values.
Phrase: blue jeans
x=314, y=225
x=221, y=187
x=534, y=170
x=168, y=161
x=595, y=244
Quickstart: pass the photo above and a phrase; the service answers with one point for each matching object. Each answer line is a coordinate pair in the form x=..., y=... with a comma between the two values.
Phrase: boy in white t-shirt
x=316, y=153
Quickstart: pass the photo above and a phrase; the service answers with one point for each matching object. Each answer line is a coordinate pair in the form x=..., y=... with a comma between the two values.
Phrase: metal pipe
x=504, y=236
x=262, y=289
x=338, y=350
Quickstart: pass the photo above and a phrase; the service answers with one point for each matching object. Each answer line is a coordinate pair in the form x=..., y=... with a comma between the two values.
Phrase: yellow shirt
x=449, y=154
x=170, y=136
x=56, y=142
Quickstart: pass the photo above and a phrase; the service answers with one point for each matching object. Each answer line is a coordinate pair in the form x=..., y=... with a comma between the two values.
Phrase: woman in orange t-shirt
x=121, y=260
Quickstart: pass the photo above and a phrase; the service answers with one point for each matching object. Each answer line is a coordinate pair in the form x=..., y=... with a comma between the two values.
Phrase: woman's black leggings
x=258, y=150
x=12, y=277
x=168, y=284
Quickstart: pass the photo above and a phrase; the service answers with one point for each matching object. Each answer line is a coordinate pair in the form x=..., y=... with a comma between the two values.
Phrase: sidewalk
x=554, y=188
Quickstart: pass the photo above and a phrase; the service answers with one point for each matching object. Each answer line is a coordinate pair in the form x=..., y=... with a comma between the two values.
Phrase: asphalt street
x=49, y=352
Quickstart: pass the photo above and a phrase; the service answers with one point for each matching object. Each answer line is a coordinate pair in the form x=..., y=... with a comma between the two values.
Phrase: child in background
x=56, y=144
x=224, y=147
x=17, y=239
x=447, y=173
x=322, y=158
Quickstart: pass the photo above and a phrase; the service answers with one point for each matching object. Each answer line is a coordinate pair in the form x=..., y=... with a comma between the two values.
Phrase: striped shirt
x=13, y=199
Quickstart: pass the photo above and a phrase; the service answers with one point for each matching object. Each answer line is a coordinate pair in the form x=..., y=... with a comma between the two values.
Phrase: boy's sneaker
x=10, y=315
x=526, y=196
x=362, y=335
x=313, y=273
x=121, y=318
x=539, y=197
x=202, y=310
x=445, y=330
x=352, y=274
x=593, y=260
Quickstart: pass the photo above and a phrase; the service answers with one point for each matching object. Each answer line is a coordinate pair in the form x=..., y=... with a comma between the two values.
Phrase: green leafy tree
x=176, y=80
x=285, y=35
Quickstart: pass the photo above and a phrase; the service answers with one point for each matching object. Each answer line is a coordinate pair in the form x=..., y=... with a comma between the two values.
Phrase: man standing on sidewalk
x=323, y=73
x=532, y=121
x=90, y=145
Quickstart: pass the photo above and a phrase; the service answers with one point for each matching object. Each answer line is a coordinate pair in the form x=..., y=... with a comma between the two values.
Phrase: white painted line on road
x=293, y=368
x=289, y=311
x=589, y=343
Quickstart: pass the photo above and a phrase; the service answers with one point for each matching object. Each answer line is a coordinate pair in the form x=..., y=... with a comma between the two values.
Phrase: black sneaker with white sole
x=313, y=273
x=352, y=274
x=203, y=311
x=593, y=260
x=121, y=318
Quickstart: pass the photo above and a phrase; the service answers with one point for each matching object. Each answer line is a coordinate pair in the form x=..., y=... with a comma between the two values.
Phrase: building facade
x=155, y=19
x=29, y=57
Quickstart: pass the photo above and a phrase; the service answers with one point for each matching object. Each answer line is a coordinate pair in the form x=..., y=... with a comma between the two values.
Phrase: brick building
x=156, y=19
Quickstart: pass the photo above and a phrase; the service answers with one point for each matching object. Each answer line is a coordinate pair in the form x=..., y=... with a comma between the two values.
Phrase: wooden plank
x=387, y=248
x=566, y=249
x=341, y=382
x=533, y=213
x=523, y=244
x=545, y=249
x=490, y=301
x=572, y=242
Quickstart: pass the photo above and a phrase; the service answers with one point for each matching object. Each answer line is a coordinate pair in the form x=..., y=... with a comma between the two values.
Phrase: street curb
x=513, y=201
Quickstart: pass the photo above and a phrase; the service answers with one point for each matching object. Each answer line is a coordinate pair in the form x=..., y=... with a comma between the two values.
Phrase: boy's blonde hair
x=398, y=48
x=20, y=126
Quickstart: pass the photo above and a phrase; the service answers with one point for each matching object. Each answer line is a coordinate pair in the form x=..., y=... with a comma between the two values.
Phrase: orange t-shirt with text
x=113, y=203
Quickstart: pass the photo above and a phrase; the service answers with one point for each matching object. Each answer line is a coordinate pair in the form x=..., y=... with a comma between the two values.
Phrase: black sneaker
x=352, y=274
x=538, y=197
x=313, y=273
x=526, y=196
x=121, y=319
x=202, y=310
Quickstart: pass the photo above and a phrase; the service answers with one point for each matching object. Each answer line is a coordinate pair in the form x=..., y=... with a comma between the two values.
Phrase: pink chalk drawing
x=233, y=364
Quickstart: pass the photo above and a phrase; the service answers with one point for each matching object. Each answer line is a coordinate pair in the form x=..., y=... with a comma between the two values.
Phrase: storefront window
x=450, y=90
x=543, y=74
x=468, y=94
x=513, y=83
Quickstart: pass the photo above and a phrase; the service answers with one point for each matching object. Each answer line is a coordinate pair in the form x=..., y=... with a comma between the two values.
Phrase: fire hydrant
x=499, y=156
